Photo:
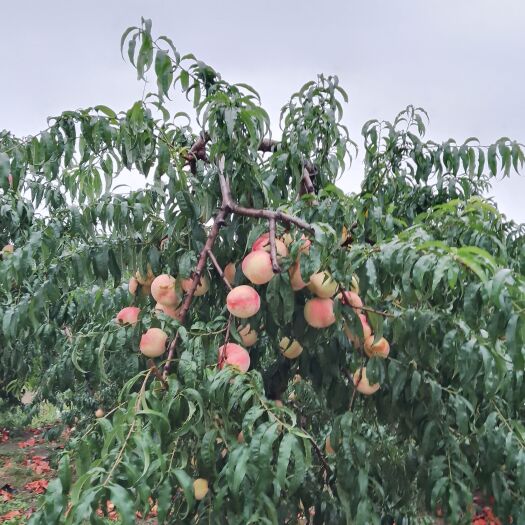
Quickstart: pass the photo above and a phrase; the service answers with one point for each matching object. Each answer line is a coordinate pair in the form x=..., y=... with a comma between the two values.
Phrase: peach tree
x=241, y=342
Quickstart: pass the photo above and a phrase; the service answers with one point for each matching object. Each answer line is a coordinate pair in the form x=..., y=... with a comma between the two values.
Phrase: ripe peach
x=367, y=332
x=322, y=285
x=10, y=180
x=296, y=279
x=263, y=243
x=257, y=266
x=229, y=272
x=380, y=349
x=99, y=412
x=149, y=276
x=351, y=299
x=174, y=313
x=8, y=248
x=128, y=315
x=235, y=355
x=290, y=348
x=200, y=488
x=248, y=336
x=153, y=342
x=163, y=290
x=319, y=313
x=133, y=285
x=361, y=383
x=202, y=287
x=243, y=301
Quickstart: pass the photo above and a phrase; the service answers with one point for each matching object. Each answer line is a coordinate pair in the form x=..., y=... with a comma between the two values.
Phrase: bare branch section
x=220, y=271
x=273, y=248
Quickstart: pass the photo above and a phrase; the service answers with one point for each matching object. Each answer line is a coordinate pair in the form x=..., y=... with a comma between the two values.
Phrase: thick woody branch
x=201, y=264
x=273, y=248
x=275, y=215
x=220, y=271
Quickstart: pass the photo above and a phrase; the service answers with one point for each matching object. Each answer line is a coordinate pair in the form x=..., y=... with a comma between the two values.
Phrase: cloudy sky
x=462, y=60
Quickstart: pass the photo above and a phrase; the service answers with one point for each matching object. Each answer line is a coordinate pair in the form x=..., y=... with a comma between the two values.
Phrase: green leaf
x=124, y=504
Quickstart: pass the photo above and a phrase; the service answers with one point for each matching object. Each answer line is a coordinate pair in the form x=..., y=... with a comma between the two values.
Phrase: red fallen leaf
x=29, y=443
x=38, y=464
x=6, y=496
x=39, y=486
x=4, y=436
x=10, y=515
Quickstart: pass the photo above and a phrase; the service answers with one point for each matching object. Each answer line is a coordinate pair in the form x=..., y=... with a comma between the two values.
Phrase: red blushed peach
x=319, y=313
x=133, y=285
x=234, y=355
x=229, y=272
x=257, y=266
x=243, y=301
x=291, y=349
x=163, y=290
x=263, y=243
x=128, y=315
x=380, y=349
x=202, y=287
x=99, y=412
x=146, y=280
x=351, y=299
x=361, y=383
x=153, y=342
x=322, y=285
x=174, y=313
x=296, y=279
x=10, y=180
x=367, y=332
x=248, y=336
x=8, y=248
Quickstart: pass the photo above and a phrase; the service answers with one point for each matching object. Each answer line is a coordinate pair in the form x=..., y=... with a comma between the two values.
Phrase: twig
x=157, y=374
x=384, y=314
x=220, y=271
x=222, y=355
x=273, y=248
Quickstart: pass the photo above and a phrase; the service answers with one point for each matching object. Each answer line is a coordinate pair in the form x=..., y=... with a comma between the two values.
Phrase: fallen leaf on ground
x=39, y=486
x=5, y=496
x=29, y=443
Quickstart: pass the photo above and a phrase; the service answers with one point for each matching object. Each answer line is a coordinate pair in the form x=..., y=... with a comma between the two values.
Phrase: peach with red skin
x=319, y=313
x=128, y=315
x=163, y=290
x=381, y=348
x=351, y=299
x=202, y=287
x=322, y=285
x=263, y=243
x=257, y=267
x=243, y=301
x=234, y=355
x=133, y=285
x=362, y=384
x=248, y=336
x=229, y=272
x=170, y=311
x=153, y=342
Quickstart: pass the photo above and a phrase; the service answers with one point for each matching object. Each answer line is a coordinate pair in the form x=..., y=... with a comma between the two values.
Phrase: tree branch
x=273, y=248
x=217, y=224
x=220, y=271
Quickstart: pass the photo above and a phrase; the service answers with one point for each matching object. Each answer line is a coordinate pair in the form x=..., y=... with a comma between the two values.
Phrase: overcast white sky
x=462, y=60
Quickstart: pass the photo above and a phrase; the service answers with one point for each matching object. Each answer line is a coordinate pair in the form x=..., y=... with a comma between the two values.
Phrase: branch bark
x=220, y=271
x=273, y=248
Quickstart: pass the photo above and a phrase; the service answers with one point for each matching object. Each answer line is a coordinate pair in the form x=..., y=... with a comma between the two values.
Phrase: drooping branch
x=273, y=248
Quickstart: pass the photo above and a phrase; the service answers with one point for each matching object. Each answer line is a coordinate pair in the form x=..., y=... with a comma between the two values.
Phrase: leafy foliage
x=440, y=270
